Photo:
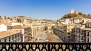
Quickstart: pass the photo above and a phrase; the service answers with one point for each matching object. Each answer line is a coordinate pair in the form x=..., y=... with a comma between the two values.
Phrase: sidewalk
x=53, y=38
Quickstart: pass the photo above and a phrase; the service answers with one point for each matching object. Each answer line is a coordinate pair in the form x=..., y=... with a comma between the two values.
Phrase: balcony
x=44, y=46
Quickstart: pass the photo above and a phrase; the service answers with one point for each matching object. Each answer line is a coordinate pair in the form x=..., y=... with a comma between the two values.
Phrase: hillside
x=79, y=15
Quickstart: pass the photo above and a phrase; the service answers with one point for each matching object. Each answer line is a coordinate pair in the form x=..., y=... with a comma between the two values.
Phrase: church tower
x=72, y=11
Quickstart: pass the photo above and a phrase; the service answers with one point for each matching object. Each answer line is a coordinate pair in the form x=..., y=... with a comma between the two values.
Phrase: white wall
x=3, y=27
x=76, y=21
x=16, y=24
x=66, y=21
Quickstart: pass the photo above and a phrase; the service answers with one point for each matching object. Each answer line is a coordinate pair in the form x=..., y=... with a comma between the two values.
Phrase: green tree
x=4, y=17
x=11, y=19
x=8, y=18
x=0, y=17
x=75, y=15
x=80, y=13
x=19, y=20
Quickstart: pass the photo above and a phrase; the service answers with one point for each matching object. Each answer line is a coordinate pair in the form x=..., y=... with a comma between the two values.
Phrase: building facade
x=78, y=33
x=65, y=32
x=82, y=34
x=24, y=31
x=11, y=36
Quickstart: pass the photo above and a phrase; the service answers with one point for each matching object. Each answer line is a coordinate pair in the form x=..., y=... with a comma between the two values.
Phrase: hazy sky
x=48, y=9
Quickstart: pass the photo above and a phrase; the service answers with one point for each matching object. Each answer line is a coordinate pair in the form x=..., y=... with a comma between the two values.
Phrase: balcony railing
x=44, y=46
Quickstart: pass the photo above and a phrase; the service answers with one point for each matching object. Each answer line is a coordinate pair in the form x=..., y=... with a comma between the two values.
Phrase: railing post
x=48, y=46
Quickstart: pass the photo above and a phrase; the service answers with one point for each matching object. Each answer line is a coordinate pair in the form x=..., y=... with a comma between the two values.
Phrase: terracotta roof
x=87, y=29
x=24, y=26
x=19, y=27
x=8, y=33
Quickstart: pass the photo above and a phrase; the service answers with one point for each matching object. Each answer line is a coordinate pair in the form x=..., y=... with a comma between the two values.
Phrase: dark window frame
x=68, y=36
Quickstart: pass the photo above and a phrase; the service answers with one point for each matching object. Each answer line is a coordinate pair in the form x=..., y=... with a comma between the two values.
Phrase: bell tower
x=72, y=11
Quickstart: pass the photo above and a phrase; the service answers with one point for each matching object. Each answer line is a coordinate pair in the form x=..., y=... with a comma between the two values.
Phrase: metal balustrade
x=44, y=46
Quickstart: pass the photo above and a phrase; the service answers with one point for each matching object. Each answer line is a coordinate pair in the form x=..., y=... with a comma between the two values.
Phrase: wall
x=17, y=39
x=16, y=24
x=2, y=40
x=3, y=27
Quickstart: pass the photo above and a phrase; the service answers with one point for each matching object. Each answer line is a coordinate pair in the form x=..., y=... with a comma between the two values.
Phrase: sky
x=43, y=9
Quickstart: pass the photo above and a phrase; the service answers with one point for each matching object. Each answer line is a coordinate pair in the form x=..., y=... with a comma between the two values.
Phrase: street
x=42, y=37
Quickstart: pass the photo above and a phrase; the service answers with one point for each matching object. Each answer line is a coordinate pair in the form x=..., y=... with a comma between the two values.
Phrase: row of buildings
x=25, y=31
x=64, y=31
x=17, y=32
x=74, y=30
x=82, y=33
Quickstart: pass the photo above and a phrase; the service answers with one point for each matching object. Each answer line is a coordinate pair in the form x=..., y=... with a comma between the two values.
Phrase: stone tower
x=72, y=11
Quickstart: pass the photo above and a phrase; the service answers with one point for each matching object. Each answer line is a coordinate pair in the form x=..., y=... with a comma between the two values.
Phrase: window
x=88, y=34
x=68, y=33
x=88, y=40
x=86, y=25
x=82, y=33
x=89, y=24
x=79, y=30
x=64, y=30
x=9, y=39
x=12, y=37
x=82, y=38
x=20, y=30
x=68, y=36
x=15, y=36
x=5, y=39
x=18, y=35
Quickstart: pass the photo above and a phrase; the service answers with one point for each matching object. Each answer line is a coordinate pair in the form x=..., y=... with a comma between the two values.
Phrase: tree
x=80, y=13
x=88, y=14
x=69, y=15
x=4, y=17
x=84, y=15
x=8, y=18
x=0, y=17
x=46, y=28
x=19, y=20
x=11, y=19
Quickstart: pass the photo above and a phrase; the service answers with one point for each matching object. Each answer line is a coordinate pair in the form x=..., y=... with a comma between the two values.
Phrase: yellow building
x=69, y=30
x=65, y=31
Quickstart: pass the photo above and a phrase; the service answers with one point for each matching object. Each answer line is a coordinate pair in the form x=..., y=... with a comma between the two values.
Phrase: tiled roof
x=8, y=33
x=19, y=27
x=7, y=24
x=87, y=29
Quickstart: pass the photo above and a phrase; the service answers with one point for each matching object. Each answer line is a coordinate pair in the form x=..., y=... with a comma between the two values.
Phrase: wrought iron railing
x=45, y=46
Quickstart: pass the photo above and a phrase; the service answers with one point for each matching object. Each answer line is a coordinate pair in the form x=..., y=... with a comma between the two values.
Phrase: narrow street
x=48, y=37
x=42, y=37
